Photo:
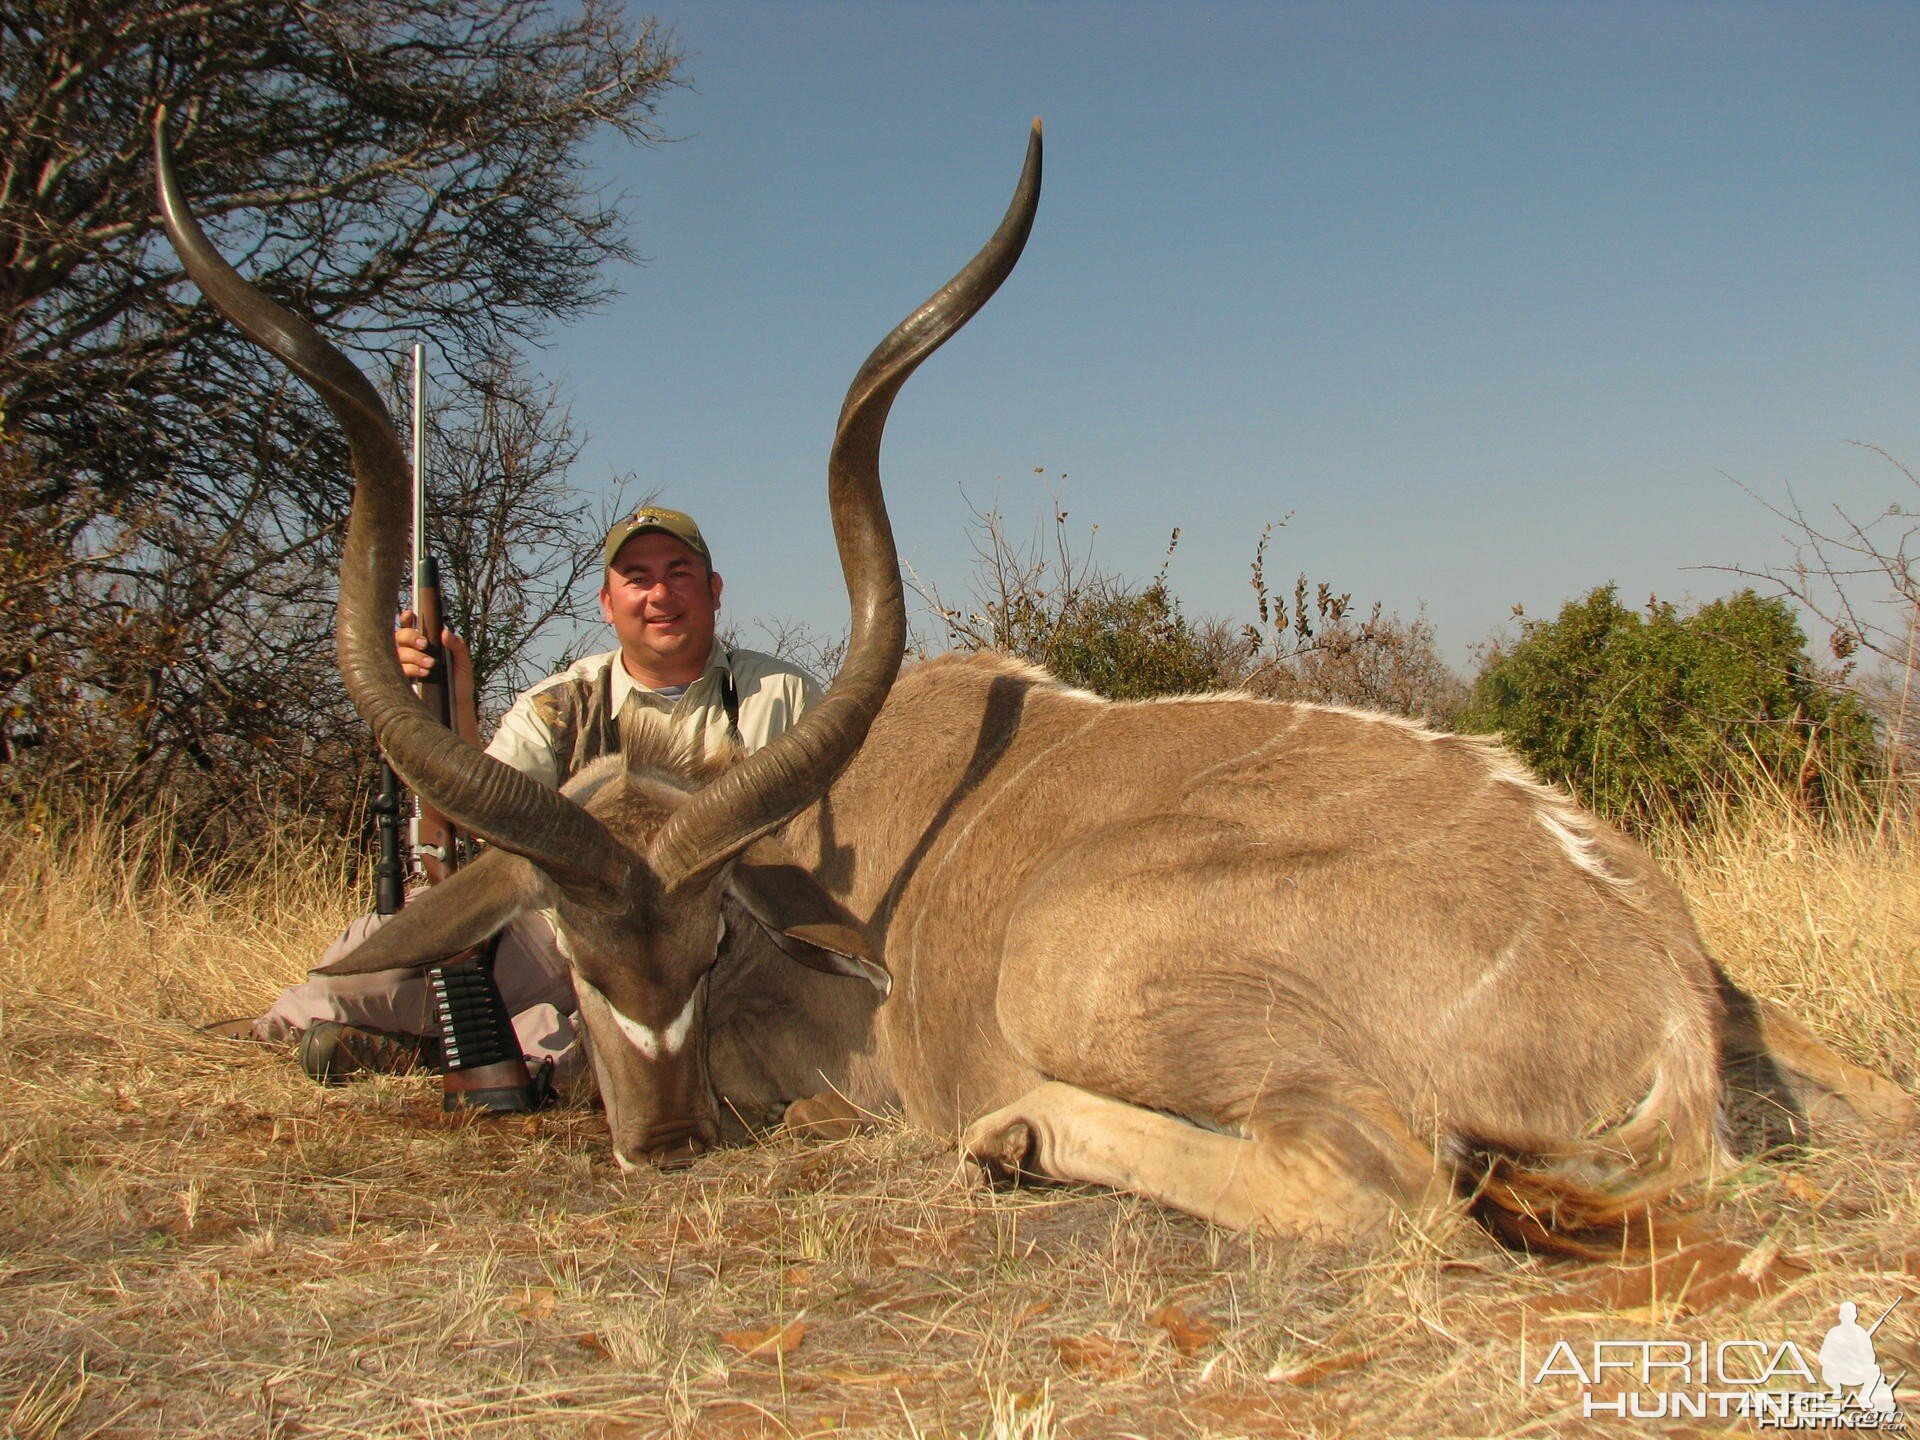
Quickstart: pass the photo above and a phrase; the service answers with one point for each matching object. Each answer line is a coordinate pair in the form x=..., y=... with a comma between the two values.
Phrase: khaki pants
x=533, y=975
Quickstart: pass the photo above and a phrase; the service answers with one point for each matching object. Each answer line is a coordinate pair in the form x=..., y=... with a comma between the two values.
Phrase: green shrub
x=1128, y=644
x=1664, y=715
x=1043, y=601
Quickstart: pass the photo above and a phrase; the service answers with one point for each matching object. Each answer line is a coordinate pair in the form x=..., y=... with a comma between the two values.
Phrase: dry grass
x=195, y=1241
x=1825, y=919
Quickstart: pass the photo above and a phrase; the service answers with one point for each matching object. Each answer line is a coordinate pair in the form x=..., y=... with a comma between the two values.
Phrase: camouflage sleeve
x=525, y=741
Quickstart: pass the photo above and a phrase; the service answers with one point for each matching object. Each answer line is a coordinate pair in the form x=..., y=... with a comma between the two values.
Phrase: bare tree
x=1384, y=663
x=517, y=548
x=1023, y=592
x=820, y=653
x=1043, y=598
x=389, y=167
x=138, y=675
x=1311, y=645
x=1860, y=576
x=1044, y=602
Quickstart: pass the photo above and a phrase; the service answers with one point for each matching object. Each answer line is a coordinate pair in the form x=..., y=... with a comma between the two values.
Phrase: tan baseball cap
x=676, y=523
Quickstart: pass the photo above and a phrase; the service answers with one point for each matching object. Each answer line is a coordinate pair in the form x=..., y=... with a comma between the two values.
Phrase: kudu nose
x=678, y=1154
x=672, y=1146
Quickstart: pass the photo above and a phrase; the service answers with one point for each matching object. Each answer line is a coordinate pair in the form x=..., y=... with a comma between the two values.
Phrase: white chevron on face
x=650, y=1042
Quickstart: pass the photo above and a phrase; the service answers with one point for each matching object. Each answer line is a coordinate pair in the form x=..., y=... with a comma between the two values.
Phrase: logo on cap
x=676, y=523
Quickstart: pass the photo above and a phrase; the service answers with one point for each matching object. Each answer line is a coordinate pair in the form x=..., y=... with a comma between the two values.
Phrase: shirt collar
x=624, y=684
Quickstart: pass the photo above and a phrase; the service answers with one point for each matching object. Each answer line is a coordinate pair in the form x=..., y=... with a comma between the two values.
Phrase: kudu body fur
x=1280, y=965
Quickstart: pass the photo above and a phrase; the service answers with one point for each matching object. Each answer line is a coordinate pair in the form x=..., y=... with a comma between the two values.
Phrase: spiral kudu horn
x=478, y=791
x=768, y=787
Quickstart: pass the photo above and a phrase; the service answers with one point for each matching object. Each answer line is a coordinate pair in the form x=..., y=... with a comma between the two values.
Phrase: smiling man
x=661, y=595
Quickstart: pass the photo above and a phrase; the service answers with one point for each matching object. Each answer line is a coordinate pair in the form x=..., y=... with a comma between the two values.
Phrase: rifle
x=438, y=848
x=483, y=1066
x=389, y=874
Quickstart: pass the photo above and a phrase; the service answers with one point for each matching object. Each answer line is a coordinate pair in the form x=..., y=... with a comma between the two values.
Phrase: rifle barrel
x=436, y=844
x=420, y=465
x=1884, y=1313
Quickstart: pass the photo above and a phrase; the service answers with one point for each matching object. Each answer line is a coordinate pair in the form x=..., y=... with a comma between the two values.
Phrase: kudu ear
x=799, y=916
x=462, y=910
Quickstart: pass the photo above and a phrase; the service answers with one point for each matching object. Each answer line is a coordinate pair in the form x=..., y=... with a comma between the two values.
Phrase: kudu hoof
x=825, y=1117
x=1007, y=1151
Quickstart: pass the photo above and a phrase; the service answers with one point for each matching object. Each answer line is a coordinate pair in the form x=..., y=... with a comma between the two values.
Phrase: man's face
x=661, y=600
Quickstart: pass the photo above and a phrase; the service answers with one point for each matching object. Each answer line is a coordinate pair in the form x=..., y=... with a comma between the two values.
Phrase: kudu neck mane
x=653, y=758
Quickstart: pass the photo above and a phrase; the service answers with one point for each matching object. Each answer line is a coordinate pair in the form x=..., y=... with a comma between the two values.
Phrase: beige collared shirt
x=567, y=721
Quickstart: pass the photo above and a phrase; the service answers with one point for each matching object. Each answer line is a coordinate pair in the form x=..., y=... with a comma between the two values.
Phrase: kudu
x=1273, y=964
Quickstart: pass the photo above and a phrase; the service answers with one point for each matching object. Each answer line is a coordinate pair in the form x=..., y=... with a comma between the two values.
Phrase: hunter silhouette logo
x=1847, y=1362
x=1778, y=1384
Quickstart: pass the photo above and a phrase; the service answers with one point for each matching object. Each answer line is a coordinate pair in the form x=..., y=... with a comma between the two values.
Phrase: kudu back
x=1290, y=966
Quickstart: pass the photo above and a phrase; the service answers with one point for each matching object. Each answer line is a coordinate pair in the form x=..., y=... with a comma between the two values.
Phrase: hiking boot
x=333, y=1053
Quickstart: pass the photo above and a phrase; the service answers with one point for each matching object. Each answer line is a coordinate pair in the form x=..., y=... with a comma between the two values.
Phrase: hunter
x=661, y=595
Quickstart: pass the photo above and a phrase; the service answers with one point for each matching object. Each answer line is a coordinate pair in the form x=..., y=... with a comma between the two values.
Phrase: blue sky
x=1497, y=301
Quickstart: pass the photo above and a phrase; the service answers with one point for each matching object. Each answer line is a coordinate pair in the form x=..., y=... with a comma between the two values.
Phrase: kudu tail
x=1620, y=1193
x=1528, y=1205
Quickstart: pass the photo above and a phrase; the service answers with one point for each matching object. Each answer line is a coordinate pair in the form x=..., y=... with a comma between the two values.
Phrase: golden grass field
x=194, y=1240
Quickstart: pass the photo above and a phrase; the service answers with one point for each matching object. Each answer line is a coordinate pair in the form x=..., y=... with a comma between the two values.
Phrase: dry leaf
x=1188, y=1333
x=1835, y=1199
x=737, y=1420
x=1696, y=1279
x=1804, y=1190
x=1311, y=1372
x=1096, y=1355
x=763, y=1344
x=1250, y=1413
x=1691, y=1281
x=1031, y=1312
x=841, y=1376
x=534, y=1303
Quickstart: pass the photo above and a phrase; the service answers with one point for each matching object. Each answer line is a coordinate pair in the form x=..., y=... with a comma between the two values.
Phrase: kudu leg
x=1317, y=1171
x=1828, y=1086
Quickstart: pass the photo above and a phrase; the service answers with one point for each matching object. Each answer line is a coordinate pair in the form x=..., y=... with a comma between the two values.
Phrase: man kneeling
x=661, y=595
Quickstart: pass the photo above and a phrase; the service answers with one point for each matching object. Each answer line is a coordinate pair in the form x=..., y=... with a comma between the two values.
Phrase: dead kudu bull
x=1279, y=965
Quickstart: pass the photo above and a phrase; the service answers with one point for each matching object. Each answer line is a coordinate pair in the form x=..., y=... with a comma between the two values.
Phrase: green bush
x=1045, y=602
x=1661, y=715
x=1128, y=645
